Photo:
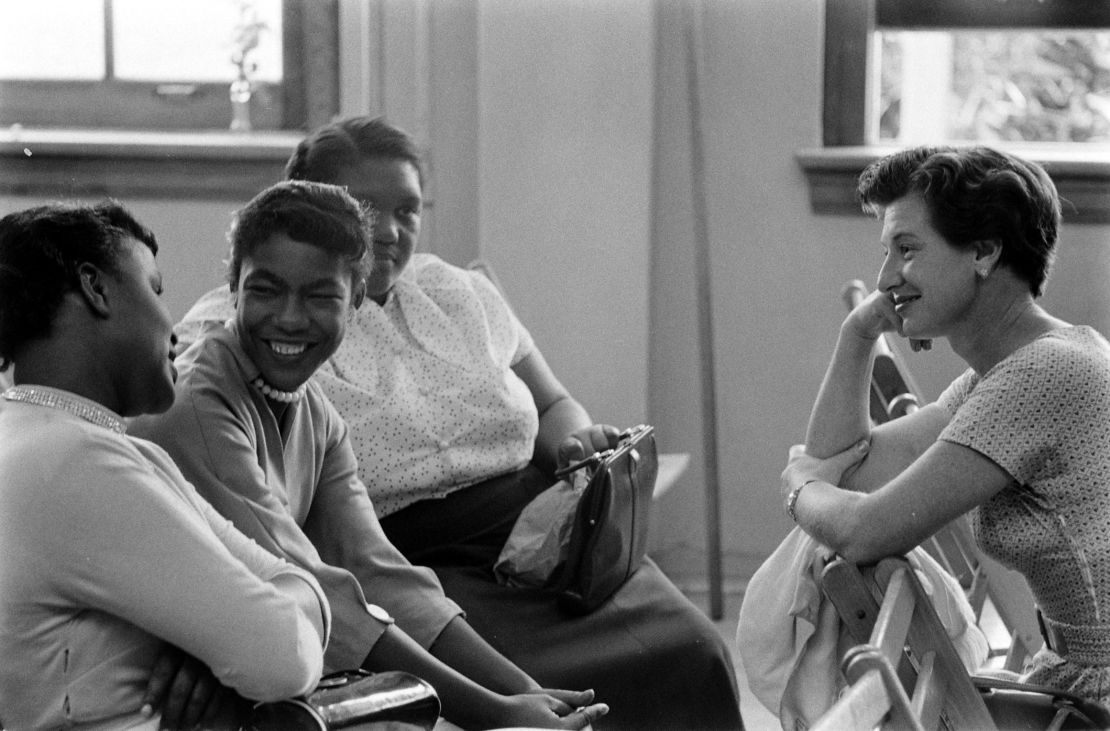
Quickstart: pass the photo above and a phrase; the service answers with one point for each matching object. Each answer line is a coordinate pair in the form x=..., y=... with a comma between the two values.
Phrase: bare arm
x=470, y=705
x=841, y=415
x=945, y=482
x=459, y=646
x=566, y=431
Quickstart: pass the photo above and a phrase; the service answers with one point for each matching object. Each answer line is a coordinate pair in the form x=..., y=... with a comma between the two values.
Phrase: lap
x=626, y=650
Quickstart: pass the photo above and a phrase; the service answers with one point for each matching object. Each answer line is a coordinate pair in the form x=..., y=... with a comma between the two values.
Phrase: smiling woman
x=262, y=443
x=299, y=256
x=1018, y=440
x=81, y=318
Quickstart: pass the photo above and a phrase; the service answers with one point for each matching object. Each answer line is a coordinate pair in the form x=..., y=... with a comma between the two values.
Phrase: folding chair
x=894, y=394
x=905, y=672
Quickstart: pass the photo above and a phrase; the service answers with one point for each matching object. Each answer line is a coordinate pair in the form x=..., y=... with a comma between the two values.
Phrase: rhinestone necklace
x=55, y=398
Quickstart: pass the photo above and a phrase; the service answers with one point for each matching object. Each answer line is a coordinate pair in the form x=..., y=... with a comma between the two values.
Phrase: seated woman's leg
x=648, y=651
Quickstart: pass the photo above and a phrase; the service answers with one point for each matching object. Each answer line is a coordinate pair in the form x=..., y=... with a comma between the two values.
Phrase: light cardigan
x=425, y=383
x=106, y=551
x=295, y=490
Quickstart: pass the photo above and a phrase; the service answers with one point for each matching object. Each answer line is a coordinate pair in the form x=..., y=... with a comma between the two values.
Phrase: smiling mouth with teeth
x=287, y=348
x=903, y=301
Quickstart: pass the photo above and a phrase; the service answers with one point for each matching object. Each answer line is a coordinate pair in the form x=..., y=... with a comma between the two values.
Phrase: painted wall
x=564, y=139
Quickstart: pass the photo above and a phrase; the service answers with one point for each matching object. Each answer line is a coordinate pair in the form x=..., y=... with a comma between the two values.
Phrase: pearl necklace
x=270, y=392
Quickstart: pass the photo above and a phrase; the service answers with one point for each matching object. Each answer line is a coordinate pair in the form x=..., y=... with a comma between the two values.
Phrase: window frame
x=1081, y=173
x=213, y=164
x=172, y=105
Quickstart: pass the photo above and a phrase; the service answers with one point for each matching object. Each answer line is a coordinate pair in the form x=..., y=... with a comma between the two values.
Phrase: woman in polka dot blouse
x=457, y=422
x=1021, y=440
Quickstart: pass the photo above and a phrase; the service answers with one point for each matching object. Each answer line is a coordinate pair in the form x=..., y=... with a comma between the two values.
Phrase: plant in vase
x=245, y=38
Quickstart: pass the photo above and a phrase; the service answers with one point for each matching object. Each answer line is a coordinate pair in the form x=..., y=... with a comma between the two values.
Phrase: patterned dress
x=1043, y=415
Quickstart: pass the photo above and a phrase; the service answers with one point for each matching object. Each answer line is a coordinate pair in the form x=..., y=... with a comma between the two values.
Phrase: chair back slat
x=863, y=705
x=928, y=694
x=924, y=682
x=963, y=707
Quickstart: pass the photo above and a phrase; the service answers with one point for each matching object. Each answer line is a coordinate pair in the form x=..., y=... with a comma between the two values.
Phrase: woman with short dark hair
x=107, y=553
x=1021, y=440
x=254, y=431
x=458, y=421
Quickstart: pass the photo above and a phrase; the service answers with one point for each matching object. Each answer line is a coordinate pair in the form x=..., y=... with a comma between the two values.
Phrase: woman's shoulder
x=1061, y=354
x=431, y=274
x=425, y=267
x=59, y=453
x=215, y=358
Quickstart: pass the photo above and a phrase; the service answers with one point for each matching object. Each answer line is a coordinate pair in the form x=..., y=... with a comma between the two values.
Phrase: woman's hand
x=802, y=468
x=583, y=442
x=873, y=316
x=565, y=709
x=876, y=315
x=184, y=690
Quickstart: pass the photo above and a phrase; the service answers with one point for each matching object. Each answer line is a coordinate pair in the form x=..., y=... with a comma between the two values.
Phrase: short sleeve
x=504, y=325
x=1024, y=410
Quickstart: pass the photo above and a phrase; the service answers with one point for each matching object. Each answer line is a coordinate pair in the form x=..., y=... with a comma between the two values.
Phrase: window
x=104, y=120
x=851, y=125
x=993, y=86
x=169, y=64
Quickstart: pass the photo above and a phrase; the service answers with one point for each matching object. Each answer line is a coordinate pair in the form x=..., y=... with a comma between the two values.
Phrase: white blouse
x=424, y=382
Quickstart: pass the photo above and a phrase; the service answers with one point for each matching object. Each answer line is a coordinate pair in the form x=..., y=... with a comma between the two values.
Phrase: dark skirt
x=648, y=652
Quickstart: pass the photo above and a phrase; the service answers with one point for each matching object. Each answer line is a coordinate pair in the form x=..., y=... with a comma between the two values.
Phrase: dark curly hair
x=328, y=149
x=975, y=194
x=41, y=250
x=313, y=213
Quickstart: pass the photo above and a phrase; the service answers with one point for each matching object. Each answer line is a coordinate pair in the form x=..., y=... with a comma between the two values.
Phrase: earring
x=982, y=272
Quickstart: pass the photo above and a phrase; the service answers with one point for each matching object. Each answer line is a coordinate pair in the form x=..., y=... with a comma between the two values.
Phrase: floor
x=756, y=717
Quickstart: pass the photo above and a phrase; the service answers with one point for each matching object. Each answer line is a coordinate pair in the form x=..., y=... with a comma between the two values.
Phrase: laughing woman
x=107, y=554
x=1021, y=439
x=458, y=422
x=267, y=448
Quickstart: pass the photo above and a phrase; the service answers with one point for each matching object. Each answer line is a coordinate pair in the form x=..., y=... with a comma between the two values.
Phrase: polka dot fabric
x=425, y=383
x=1043, y=415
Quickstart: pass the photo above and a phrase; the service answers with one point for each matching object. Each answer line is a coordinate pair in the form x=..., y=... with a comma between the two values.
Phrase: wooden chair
x=905, y=672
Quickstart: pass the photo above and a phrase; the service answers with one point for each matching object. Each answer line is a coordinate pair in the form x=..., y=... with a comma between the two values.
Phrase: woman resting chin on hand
x=1021, y=439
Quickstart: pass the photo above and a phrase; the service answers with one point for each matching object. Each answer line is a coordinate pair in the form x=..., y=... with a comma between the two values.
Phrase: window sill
x=88, y=164
x=1082, y=178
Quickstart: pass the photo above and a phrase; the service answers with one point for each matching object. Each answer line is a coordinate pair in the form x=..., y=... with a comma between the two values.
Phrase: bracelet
x=792, y=499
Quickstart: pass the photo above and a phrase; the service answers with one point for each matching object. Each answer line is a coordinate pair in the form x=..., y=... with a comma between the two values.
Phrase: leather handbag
x=354, y=700
x=608, y=537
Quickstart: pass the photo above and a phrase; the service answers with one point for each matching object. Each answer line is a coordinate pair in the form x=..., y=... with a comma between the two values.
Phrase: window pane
x=1048, y=86
x=51, y=39
x=194, y=40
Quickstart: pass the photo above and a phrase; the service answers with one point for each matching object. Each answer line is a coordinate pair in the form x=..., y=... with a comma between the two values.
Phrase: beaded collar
x=54, y=398
x=285, y=397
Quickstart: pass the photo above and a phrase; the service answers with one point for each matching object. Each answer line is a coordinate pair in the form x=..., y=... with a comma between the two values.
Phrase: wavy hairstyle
x=975, y=194
x=322, y=215
x=328, y=149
